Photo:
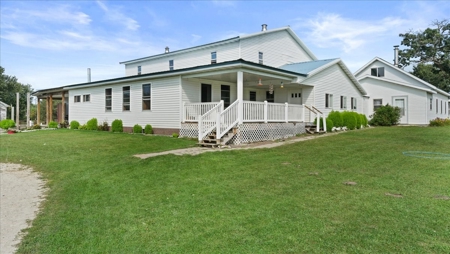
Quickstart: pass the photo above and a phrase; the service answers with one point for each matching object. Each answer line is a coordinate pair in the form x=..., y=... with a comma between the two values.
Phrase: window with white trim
x=171, y=65
x=353, y=103
x=260, y=57
x=146, y=97
x=139, y=70
x=377, y=103
x=213, y=57
x=377, y=72
x=77, y=98
x=343, y=102
x=108, y=99
x=126, y=98
x=437, y=106
x=86, y=97
x=431, y=104
x=328, y=100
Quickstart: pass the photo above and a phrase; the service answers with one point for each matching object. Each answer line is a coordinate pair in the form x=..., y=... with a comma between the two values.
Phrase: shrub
x=148, y=129
x=385, y=116
x=52, y=124
x=329, y=122
x=36, y=127
x=103, y=127
x=117, y=126
x=137, y=128
x=175, y=135
x=336, y=117
x=358, y=120
x=92, y=124
x=7, y=123
x=438, y=122
x=82, y=127
x=364, y=120
x=74, y=125
x=349, y=120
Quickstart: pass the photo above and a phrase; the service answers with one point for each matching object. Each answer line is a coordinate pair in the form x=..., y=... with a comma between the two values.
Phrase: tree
x=9, y=86
x=429, y=50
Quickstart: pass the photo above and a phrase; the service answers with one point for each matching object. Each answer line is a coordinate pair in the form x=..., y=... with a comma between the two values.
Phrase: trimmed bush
x=349, y=120
x=148, y=129
x=439, y=122
x=358, y=120
x=91, y=125
x=336, y=117
x=175, y=135
x=137, y=128
x=74, y=125
x=117, y=126
x=7, y=123
x=82, y=127
x=364, y=121
x=103, y=127
x=385, y=116
x=52, y=124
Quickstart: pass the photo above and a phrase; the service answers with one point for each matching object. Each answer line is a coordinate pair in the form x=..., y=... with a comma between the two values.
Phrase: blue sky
x=52, y=43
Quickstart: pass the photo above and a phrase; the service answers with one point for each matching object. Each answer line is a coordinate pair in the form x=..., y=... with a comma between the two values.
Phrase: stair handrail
x=208, y=121
x=317, y=109
x=318, y=115
x=228, y=119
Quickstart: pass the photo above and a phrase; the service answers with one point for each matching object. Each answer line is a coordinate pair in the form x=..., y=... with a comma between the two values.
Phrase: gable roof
x=426, y=84
x=3, y=105
x=311, y=68
x=230, y=40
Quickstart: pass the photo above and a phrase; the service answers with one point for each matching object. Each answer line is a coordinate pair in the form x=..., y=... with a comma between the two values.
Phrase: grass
x=289, y=199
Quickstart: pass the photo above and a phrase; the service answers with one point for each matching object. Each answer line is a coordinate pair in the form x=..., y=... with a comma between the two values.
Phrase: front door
x=295, y=97
x=401, y=102
x=206, y=93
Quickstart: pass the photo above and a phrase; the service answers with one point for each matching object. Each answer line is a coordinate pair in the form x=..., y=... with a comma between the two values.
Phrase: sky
x=52, y=43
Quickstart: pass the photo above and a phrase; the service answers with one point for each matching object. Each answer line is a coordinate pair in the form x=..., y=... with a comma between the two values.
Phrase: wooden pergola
x=50, y=95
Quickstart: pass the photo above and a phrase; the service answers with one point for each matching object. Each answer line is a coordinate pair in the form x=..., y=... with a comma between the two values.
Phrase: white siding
x=279, y=48
x=333, y=80
x=165, y=104
x=191, y=90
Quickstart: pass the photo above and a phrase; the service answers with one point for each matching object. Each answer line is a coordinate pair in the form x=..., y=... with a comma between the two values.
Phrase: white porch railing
x=313, y=110
x=191, y=111
x=272, y=112
x=228, y=118
x=209, y=121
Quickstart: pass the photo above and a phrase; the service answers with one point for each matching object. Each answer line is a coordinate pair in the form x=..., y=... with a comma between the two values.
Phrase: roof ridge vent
x=264, y=27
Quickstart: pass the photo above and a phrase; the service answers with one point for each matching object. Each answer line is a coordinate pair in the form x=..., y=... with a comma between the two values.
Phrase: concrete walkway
x=268, y=144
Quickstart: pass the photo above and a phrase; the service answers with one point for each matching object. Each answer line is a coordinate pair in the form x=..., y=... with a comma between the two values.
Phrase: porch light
x=259, y=83
x=282, y=84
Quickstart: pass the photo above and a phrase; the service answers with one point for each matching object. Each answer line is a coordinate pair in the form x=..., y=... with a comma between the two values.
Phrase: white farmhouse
x=261, y=86
x=386, y=83
x=3, y=107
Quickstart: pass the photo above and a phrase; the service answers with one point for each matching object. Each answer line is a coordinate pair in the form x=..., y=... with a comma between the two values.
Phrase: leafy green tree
x=9, y=86
x=429, y=51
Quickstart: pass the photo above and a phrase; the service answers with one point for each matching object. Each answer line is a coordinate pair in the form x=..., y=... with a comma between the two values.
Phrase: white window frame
x=106, y=99
x=77, y=99
x=376, y=106
x=328, y=100
x=354, y=105
x=377, y=69
x=214, y=57
x=86, y=98
x=171, y=65
x=124, y=104
x=139, y=70
x=147, y=98
x=343, y=102
x=260, y=57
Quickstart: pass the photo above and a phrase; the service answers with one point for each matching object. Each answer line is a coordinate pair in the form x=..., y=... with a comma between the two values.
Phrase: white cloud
x=332, y=30
x=114, y=14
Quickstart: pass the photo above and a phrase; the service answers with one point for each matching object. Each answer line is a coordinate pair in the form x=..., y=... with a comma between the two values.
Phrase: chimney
x=264, y=27
x=396, y=55
x=167, y=50
x=88, y=75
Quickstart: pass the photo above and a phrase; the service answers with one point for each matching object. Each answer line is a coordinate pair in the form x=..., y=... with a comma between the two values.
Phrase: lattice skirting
x=252, y=132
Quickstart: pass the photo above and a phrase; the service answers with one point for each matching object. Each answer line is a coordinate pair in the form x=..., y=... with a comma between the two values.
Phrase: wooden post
x=28, y=110
x=47, y=115
x=240, y=96
x=50, y=105
x=17, y=111
x=38, y=113
x=63, y=108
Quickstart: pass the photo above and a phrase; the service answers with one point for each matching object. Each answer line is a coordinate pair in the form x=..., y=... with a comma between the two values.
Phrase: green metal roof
x=306, y=67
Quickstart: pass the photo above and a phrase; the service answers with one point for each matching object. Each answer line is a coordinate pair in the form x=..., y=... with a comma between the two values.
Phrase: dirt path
x=21, y=192
x=259, y=145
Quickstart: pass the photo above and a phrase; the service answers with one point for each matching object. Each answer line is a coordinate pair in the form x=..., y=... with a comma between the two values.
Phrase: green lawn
x=289, y=199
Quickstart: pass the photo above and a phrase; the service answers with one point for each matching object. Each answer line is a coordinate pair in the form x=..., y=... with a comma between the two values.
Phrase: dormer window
x=139, y=70
x=171, y=65
x=260, y=57
x=377, y=72
x=213, y=57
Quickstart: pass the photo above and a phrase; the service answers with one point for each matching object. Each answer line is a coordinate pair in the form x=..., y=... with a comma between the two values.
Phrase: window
x=139, y=70
x=77, y=98
x=206, y=93
x=126, y=98
x=86, y=97
x=252, y=95
x=225, y=95
x=377, y=72
x=431, y=104
x=146, y=97
x=343, y=102
x=108, y=99
x=296, y=95
x=353, y=103
x=171, y=65
x=437, y=106
x=270, y=97
x=260, y=57
x=441, y=107
x=328, y=100
x=213, y=57
x=377, y=103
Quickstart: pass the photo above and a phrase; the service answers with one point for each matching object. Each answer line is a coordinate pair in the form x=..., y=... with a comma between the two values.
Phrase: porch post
x=240, y=95
x=47, y=115
x=28, y=110
x=286, y=111
x=265, y=111
x=17, y=110
x=38, y=113
x=50, y=106
x=63, y=108
x=318, y=122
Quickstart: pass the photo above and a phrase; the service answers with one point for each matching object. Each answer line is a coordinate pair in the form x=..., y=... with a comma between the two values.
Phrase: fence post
x=200, y=127
x=265, y=111
x=286, y=112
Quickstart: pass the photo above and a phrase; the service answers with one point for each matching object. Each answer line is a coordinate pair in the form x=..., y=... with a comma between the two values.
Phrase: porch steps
x=211, y=141
x=312, y=129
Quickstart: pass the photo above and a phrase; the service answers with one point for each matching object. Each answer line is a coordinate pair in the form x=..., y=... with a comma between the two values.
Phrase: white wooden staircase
x=211, y=140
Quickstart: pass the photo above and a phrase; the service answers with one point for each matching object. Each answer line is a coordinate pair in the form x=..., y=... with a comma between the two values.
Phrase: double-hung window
x=353, y=103
x=260, y=57
x=171, y=65
x=77, y=98
x=108, y=99
x=139, y=70
x=377, y=72
x=86, y=97
x=431, y=104
x=213, y=57
x=437, y=106
x=343, y=102
x=126, y=98
x=328, y=100
x=377, y=103
x=146, y=97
